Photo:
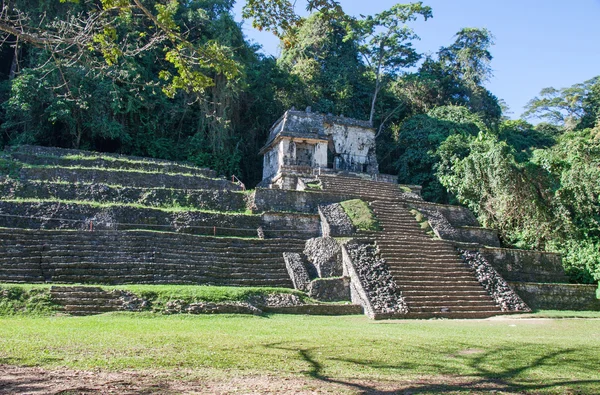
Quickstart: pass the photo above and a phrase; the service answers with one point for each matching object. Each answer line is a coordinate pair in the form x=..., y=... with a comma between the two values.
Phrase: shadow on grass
x=483, y=378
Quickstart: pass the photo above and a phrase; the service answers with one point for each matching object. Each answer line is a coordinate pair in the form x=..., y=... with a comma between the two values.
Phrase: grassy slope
x=360, y=214
x=548, y=355
x=35, y=298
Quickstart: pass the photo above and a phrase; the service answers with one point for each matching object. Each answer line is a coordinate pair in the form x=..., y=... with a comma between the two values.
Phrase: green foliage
x=9, y=167
x=469, y=56
x=524, y=138
x=419, y=139
x=325, y=71
x=550, y=199
x=16, y=299
x=361, y=215
x=574, y=107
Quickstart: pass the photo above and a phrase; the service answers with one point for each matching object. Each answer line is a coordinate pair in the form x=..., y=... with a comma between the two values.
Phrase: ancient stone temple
x=302, y=144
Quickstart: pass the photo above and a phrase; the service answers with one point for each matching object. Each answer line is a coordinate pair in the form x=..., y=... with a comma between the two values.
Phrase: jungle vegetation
x=178, y=80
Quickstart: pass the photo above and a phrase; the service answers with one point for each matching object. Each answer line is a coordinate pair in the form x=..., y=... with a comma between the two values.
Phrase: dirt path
x=36, y=381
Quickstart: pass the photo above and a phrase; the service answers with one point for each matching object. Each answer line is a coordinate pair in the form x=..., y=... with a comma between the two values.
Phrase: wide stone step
x=87, y=302
x=399, y=259
x=461, y=292
x=449, y=301
x=49, y=247
x=409, y=278
x=134, y=178
x=451, y=315
x=89, y=308
x=422, y=272
x=435, y=286
x=100, y=160
x=447, y=309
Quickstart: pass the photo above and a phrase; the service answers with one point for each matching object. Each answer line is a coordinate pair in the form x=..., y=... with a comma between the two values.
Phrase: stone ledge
x=544, y=296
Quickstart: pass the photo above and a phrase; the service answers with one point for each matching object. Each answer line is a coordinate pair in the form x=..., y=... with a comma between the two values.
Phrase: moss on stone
x=361, y=215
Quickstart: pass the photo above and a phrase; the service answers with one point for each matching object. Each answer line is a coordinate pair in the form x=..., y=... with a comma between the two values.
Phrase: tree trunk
x=14, y=67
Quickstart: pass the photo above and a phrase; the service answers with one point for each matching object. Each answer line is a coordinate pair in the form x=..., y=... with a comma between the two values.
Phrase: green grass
x=563, y=314
x=34, y=299
x=423, y=222
x=29, y=299
x=360, y=214
x=516, y=355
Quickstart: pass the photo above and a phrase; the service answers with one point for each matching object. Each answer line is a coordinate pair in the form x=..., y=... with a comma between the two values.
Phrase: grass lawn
x=451, y=356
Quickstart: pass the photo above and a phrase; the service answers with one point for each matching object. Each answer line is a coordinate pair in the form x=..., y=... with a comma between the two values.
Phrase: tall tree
x=326, y=69
x=386, y=43
x=469, y=56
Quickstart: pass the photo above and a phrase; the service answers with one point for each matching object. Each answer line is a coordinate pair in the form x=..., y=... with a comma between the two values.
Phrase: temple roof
x=307, y=125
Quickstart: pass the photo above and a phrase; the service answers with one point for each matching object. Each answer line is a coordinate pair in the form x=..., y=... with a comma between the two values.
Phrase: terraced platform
x=139, y=257
x=73, y=216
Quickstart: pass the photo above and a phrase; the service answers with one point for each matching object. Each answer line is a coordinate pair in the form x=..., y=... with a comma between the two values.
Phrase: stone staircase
x=130, y=257
x=361, y=188
x=76, y=300
x=432, y=277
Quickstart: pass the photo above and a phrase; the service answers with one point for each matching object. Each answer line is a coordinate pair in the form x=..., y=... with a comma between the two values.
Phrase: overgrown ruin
x=76, y=217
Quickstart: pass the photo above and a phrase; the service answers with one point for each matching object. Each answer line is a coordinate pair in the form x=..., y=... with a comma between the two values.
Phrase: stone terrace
x=83, y=217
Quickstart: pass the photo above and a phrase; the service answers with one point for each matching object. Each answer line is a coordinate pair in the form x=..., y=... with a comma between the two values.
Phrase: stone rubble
x=179, y=306
x=335, y=221
x=382, y=291
x=493, y=283
x=325, y=254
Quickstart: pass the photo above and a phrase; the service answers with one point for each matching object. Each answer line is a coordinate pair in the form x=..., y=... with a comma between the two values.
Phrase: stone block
x=526, y=266
x=335, y=222
x=297, y=270
x=558, y=296
x=325, y=254
x=330, y=289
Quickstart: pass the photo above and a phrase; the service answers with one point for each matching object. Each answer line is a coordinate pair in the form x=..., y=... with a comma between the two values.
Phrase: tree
x=386, y=43
x=469, y=56
x=418, y=141
x=567, y=106
x=325, y=69
x=104, y=36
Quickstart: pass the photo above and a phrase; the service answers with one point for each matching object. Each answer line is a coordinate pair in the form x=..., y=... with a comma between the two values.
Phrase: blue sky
x=539, y=43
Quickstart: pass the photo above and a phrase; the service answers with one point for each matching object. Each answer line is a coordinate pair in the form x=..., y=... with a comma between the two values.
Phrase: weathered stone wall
x=445, y=229
x=330, y=289
x=483, y=236
x=526, y=266
x=66, y=157
x=493, y=283
x=56, y=215
x=138, y=257
x=325, y=255
x=558, y=296
x=297, y=225
x=296, y=268
x=115, y=163
x=457, y=216
x=123, y=177
x=213, y=199
x=291, y=200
